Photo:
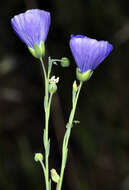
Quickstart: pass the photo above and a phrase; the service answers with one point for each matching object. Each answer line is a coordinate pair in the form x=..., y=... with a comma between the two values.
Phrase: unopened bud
x=38, y=157
x=75, y=86
x=65, y=62
x=52, y=88
x=54, y=175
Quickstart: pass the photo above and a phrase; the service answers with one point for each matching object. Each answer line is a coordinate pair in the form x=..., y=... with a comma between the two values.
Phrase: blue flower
x=88, y=53
x=32, y=27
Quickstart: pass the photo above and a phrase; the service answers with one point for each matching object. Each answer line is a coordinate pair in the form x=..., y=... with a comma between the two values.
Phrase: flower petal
x=88, y=53
x=32, y=26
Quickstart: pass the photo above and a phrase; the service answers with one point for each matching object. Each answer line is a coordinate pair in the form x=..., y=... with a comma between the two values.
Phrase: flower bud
x=54, y=175
x=75, y=86
x=38, y=51
x=65, y=62
x=52, y=84
x=52, y=88
x=38, y=157
x=83, y=76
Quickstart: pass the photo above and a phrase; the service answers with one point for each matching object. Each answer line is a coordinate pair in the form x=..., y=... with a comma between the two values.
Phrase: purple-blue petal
x=32, y=26
x=88, y=53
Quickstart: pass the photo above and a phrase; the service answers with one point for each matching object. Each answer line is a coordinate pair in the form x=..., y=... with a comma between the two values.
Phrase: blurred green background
x=99, y=145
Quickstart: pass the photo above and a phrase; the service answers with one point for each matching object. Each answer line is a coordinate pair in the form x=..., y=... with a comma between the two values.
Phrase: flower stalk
x=67, y=135
x=46, y=140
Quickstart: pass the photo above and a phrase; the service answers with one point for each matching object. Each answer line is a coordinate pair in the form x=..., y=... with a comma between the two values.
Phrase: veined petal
x=32, y=26
x=88, y=53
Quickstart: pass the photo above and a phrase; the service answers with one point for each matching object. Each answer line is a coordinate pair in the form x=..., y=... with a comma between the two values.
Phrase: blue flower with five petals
x=88, y=53
x=32, y=27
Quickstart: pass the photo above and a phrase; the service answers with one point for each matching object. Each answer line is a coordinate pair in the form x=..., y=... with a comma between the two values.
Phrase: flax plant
x=32, y=27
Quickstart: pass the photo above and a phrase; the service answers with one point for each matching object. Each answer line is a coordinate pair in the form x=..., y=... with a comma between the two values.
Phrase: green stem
x=75, y=104
x=47, y=114
x=46, y=79
x=66, y=138
x=43, y=167
x=49, y=67
x=54, y=60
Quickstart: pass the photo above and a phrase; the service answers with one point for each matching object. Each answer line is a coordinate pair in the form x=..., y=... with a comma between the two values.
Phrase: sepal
x=38, y=51
x=83, y=77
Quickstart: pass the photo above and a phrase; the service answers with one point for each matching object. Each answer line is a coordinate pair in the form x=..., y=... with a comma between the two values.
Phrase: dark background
x=99, y=145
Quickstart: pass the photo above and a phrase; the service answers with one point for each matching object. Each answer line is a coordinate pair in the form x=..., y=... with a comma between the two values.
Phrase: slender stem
x=43, y=167
x=46, y=79
x=49, y=67
x=47, y=113
x=66, y=138
x=46, y=154
x=75, y=104
x=49, y=103
x=54, y=60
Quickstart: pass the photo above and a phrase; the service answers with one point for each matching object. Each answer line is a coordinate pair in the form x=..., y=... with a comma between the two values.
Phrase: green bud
x=38, y=157
x=52, y=87
x=65, y=62
x=54, y=175
x=83, y=76
x=75, y=86
x=38, y=51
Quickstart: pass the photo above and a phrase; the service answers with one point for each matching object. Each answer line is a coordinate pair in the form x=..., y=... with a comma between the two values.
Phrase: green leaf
x=67, y=134
x=68, y=125
x=49, y=65
x=44, y=139
x=73, y=96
